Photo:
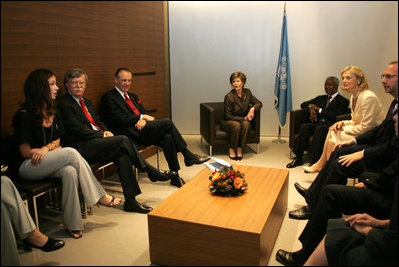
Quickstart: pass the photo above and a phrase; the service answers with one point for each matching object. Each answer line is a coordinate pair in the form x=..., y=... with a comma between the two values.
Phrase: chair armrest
x=207, y=122
x=257, y=125
x=343, y=117
x=297, y=117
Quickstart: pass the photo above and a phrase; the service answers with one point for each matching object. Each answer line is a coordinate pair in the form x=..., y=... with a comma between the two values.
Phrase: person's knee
x=6, y=181
x=71, y=151
x=246, y=124
x=235, y=126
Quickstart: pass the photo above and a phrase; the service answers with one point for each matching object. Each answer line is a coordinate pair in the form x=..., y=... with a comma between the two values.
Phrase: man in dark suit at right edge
x=322, y=111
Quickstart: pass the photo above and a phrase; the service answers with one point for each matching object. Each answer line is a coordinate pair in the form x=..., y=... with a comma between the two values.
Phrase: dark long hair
x=37, y=95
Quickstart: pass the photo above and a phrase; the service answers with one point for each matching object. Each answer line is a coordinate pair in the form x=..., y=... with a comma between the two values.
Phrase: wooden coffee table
x=194, y=227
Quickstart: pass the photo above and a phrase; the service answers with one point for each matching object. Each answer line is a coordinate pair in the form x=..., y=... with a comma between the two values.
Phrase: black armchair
x=211, y=115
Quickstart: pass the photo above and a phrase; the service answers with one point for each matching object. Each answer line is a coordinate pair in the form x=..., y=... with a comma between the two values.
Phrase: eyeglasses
x=388, y=76
x=77, y=82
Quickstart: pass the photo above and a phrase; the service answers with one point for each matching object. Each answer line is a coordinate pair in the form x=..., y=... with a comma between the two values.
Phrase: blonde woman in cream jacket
x=366, y=114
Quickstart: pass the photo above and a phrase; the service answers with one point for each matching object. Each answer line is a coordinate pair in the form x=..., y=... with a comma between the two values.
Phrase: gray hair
x=334, y=79
x=75, y=73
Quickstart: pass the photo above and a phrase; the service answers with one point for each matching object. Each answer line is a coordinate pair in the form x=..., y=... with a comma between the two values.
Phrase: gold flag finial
x=285, y=2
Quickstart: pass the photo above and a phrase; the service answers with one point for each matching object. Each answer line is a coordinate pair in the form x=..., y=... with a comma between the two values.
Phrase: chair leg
x=157, y=159
x=210, y=150
x=35, y=209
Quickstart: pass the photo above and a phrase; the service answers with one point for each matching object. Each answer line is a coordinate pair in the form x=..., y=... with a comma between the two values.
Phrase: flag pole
x=279, y=141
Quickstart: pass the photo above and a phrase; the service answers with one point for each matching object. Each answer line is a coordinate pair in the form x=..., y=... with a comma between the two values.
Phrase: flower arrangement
x=227, y=182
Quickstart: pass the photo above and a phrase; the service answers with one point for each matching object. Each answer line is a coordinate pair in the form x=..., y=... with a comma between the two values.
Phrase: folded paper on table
x=217, y=164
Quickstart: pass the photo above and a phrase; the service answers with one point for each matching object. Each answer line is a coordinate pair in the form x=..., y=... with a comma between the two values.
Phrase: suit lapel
x=77, y=107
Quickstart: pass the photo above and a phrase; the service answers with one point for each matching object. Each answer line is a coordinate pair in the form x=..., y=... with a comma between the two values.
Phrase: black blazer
x=118, y=115
x=381, y=144
x=76, y=125
x=338, y=106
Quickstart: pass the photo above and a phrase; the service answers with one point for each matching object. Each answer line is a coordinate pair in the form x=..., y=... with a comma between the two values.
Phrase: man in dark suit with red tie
x=321, y=111
x=85, y=132
x=124, y=114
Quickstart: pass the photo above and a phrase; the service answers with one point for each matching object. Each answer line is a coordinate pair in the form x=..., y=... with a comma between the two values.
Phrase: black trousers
x=337, y=199
x=334, y=173
x=123, y=153
x=319, y=132
x=163, y=133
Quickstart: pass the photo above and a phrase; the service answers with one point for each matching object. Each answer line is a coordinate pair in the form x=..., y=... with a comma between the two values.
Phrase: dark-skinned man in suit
x=322, y=111
x=89, y=135
x=124, y=113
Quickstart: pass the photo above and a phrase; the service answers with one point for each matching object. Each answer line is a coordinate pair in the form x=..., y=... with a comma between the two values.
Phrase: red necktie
x=136, y=111
x=82, y=105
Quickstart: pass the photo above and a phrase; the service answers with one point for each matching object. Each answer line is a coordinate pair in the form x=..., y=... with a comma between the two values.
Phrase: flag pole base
x=279, y=141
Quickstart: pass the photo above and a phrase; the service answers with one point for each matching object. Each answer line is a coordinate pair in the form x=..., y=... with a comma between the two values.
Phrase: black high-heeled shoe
x=50, y=245
x=233, y=158
x=239, y=158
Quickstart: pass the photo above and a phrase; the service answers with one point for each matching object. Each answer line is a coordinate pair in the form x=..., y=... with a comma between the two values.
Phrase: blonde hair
x=358, y=72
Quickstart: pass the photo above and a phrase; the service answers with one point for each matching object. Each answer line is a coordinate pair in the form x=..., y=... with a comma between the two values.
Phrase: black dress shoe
x=158, y=175
x=239, y=158
x=290, y=258
x=304, y=192
x=50, y=245
x=303, y=213
x=177, y=181
x=135, y=206
x=295, y=162
x=195, y=159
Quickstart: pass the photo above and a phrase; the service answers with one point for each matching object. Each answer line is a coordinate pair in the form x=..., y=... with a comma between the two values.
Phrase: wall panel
x=98, y=37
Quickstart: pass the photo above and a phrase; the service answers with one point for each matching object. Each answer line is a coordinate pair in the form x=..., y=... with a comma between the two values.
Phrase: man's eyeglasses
x=388, y=76
x=77, y=82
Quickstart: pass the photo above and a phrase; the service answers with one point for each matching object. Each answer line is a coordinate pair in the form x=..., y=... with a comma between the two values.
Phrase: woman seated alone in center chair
x=239, y=111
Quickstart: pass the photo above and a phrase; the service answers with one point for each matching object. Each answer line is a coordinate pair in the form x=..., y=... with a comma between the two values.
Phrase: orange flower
x=216, y=176
x=238, y=183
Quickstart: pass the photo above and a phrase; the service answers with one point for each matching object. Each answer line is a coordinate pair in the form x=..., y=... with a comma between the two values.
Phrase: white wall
x=210, y=40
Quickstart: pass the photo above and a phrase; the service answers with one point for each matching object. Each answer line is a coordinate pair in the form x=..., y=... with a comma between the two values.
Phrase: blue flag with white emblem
x=282, y=90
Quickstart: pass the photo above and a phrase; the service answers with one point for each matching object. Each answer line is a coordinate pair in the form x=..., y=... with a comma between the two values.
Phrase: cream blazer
x=367, y=114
